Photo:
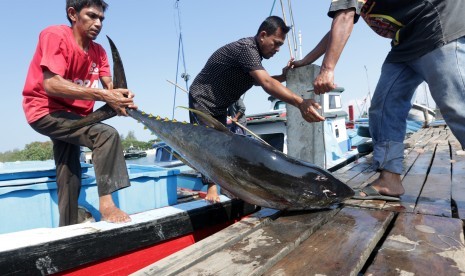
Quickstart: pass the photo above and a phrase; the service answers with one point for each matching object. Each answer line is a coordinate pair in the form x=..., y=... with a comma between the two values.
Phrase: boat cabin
x=165, y=156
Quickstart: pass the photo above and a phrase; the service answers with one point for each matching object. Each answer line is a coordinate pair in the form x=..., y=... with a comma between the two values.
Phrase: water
x=147, y=160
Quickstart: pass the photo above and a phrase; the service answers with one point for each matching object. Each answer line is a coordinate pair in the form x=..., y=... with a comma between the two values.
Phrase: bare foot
x=212, y=194
x=388, y=183
x=110, y=212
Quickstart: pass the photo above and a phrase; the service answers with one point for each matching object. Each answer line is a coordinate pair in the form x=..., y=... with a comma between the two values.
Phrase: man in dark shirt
x=235, y=68
x=428, y=44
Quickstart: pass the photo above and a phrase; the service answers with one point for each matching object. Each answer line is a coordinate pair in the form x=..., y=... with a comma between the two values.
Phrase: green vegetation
x=44, y=150
x=32, y=151
x=131, y=140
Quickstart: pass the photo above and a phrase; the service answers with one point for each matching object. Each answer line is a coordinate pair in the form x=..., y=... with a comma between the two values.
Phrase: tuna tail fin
x=103, y=113
x=119, y=81
x=212, y=122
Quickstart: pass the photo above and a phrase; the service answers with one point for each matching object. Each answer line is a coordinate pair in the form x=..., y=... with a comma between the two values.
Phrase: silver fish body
x=250, y=170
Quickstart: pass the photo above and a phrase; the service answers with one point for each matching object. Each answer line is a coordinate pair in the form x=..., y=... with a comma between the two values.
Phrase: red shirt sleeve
x=54, y=53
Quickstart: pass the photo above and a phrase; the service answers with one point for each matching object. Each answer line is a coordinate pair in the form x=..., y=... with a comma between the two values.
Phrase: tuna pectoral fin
x=212, y=122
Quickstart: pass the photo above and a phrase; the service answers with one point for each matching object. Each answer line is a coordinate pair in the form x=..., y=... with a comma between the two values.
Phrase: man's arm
x=283, y=76
x=308, y=108
x=314, y=54
x=341, y=28
x=237, y=116
x=107, y=82
x=118, y=99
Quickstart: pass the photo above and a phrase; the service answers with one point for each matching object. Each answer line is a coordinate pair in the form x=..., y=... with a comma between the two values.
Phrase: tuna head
x=268, y=177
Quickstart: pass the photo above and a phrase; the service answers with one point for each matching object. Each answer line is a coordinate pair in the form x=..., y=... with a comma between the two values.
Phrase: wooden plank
x=369, y=203
x=421, y=245
x=428, y=141
x=187, y=257
x=260, y=250
x=422, y=164
x=351, y=170
x=95, y=246
x=458, y=177
x=340, y=247
x=458, y=195
x=412, y=184
x=363, y=178
x=366, y=176
x=415, y=167
x=435, y=198
x=408, y=162
x=412, y=141
x=423, y=140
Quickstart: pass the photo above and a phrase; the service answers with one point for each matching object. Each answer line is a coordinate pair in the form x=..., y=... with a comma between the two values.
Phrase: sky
x=146, y=33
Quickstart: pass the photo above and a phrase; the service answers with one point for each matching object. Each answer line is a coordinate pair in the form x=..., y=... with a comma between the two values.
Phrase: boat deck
x=423, y=234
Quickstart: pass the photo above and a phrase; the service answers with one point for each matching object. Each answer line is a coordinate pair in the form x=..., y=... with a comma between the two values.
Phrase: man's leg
x=110, y=169
x=388, y=113
x=444, y=71
x=68, y=170
x=108, y=159
x=212, y=191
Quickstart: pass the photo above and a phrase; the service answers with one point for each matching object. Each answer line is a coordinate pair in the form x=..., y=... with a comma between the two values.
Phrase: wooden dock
x=423, y=234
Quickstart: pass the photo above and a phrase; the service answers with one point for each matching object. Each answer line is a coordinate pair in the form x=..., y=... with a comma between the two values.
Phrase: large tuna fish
x=254, y=172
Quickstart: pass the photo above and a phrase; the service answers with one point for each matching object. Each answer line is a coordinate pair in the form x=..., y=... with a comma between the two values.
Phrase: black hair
x=78, y=5
x=272, y=24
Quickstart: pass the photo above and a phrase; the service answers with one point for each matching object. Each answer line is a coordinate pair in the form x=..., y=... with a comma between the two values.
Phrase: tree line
x=39, y=151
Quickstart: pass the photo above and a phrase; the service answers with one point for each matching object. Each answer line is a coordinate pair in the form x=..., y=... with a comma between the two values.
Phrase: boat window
x=163, y=154
x=276, y=140
x=334, y=102
x=279, y=105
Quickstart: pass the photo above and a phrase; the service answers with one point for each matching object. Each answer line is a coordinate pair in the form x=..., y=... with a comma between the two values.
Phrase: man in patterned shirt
x=235, y=68
x=428, y=44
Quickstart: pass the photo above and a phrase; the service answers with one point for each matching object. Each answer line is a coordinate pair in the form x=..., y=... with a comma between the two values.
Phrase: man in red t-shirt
x=62, y=85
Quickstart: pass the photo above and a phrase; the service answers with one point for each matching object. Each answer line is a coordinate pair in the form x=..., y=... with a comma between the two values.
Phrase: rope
x=184, y=75
x=272, y=7
x=285, y=22
x=294, y=39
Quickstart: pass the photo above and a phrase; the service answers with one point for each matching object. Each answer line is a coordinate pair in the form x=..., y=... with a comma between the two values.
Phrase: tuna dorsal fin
x=212, y=122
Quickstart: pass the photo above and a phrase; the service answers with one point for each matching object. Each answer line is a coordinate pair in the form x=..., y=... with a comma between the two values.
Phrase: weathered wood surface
x=254, y=253
x=190, y=256
x=340, y=247
x=458, y=177
x=421, y=245
x=365, y=237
